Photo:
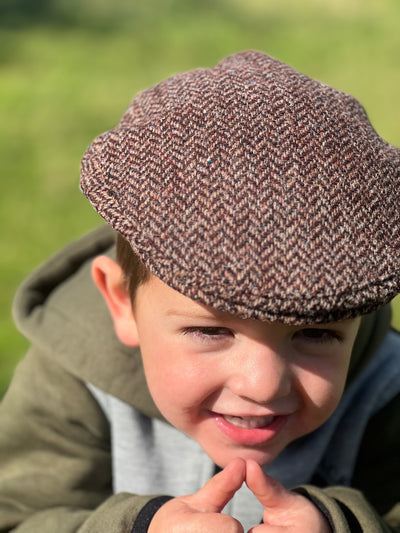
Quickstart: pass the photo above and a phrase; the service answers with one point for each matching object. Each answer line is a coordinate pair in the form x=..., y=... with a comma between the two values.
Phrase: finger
x=178, y=517
x=221, y=488
x=266, y=489
x=283, y=510
x=210, y=522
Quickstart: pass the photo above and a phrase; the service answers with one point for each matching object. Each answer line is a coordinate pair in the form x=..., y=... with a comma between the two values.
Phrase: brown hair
x=135, y=272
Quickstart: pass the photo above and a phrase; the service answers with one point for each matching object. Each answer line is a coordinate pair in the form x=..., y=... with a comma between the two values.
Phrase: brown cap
x=255, y=190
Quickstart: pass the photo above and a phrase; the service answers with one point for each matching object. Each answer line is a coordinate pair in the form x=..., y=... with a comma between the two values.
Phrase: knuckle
x=229, y=525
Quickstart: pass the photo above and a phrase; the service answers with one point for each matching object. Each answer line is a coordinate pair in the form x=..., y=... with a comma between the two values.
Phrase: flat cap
x=255, y=190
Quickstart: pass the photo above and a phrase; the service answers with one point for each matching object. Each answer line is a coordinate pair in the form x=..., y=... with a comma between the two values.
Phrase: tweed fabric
x=255, y=190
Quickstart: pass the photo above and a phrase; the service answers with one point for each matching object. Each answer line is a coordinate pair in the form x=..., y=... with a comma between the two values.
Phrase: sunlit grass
x=62, y=85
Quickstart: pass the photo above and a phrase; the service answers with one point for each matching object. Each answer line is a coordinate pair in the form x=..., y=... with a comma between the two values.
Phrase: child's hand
x=284, y=511
x=201, y=512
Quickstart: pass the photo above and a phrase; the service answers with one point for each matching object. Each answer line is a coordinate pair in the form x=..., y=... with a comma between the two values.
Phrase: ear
x=109, y=278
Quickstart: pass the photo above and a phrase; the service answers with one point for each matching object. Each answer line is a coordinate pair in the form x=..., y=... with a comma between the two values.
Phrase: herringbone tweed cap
x=255, y=190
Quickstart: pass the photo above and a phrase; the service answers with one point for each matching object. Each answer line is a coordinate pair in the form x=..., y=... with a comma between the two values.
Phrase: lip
x=252, y=436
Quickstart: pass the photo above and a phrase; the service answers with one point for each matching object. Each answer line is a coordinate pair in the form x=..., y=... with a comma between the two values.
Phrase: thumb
x=221, y=488
x=266, y=489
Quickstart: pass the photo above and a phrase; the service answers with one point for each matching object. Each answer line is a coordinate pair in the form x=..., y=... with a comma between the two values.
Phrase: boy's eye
x=208, y=333
x=317, y=335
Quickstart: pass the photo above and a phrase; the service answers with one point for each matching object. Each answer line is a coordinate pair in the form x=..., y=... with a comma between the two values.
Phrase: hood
x=61, y=312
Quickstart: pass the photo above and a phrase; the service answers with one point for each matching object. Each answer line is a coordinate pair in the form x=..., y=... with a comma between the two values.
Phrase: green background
x=69, y=68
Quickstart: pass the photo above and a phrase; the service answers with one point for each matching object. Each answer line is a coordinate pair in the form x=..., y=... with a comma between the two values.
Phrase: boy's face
x=240, y=388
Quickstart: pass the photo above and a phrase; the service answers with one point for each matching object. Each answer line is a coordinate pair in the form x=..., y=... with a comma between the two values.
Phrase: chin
x=222, y=458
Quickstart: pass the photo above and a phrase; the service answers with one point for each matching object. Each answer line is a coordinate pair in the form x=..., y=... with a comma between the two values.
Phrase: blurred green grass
x=69, y=69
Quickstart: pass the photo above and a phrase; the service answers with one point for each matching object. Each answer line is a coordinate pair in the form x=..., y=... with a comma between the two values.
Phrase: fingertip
x=255, y=476
x=267, y=489
x=237, y=466
x=238, y=462
x=252, y=463
x=217, y=492
x=252, y=467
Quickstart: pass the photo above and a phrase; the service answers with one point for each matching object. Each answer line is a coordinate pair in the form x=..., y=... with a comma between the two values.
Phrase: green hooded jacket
x=55, y=450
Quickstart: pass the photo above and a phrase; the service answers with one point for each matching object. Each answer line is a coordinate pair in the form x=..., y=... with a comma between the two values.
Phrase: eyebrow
x=194, y=314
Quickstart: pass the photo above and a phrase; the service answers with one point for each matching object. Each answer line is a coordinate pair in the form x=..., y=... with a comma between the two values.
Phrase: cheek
x=322, y=386
x=177, y=382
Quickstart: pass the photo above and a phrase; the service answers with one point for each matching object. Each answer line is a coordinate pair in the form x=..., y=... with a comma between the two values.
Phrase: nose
x=260, y=374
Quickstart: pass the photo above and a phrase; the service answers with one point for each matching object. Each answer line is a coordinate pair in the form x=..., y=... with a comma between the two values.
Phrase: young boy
x=236, y=368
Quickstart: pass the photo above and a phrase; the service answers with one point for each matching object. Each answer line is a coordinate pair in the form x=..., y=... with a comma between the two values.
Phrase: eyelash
x=317, y=335
x=308, y=335
x=208, y=333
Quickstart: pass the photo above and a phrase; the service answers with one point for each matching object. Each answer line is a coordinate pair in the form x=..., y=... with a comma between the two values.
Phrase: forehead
x=156, y=296
x=171, y=302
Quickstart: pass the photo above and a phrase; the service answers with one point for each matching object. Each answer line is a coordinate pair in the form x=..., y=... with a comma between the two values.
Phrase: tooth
x=249, y=422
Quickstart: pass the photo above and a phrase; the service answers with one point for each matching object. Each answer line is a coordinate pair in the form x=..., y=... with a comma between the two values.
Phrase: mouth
x=249, y=422
x=249, y=430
